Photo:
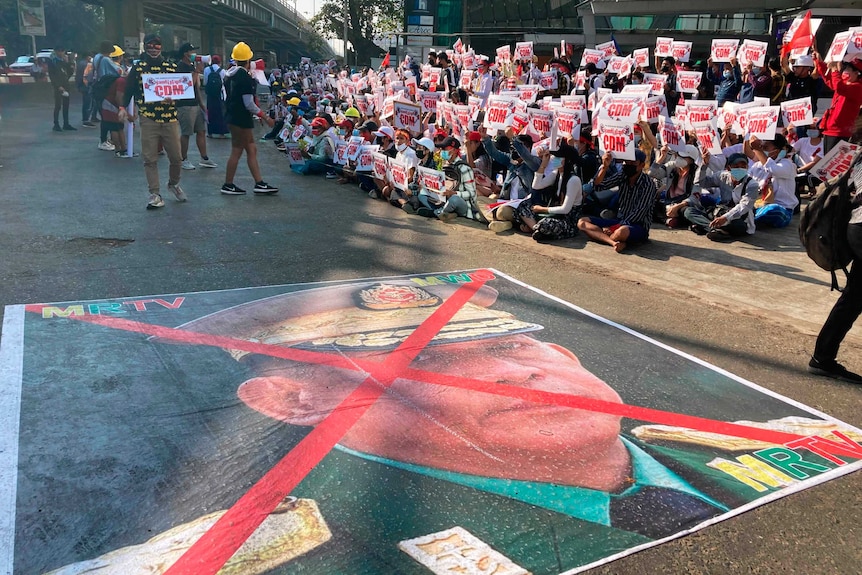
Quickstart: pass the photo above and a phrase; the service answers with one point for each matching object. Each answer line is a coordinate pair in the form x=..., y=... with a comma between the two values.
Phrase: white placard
x=608, y=49
x=548, y=80
x=380, y=166
x=707, y=137
x=157, y=87
x=797, y=112
x=839, y=46
x=763, y=121
x=837, y=161
x=687, y=81
x=591, y=56
x=365, y=160
x=433, y=182
x=752, y=51
x=498, y=115
x=681, y=51
x=624, y=108
x=407, y=116
x=671, y=133
x=524, y=51
x=723, y=50
x=618, y=138
x=294, y=154
x=399, y=174
x=654, y=108
x=540, y=121
x=641, y=57
x=663, y=47
x=656, y=82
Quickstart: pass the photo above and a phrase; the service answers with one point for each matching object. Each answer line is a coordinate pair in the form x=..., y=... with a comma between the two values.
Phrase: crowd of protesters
x=324, y=118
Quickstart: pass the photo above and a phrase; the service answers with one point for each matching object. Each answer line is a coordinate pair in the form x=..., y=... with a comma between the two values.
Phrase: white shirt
x=408, y=156
x=783, y=174
x=807, y=151
x=574, y=191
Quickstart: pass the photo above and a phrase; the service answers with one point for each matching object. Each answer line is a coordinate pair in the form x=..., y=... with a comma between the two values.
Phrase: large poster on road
x=425, y=424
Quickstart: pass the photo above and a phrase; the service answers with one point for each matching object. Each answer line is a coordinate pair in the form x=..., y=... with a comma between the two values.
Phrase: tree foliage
x=367, y=19
x=71, y=23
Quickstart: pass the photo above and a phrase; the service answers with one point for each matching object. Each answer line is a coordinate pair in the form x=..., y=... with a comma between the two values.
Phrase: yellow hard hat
x=241, y=52
x=351, y=112
x=117, y=52
x=294, y=102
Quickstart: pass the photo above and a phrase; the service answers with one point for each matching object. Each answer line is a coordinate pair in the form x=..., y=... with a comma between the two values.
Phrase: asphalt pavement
x=74, y=227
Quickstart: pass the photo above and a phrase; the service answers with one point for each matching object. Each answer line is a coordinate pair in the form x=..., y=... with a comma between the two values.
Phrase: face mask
x=355, y=132
x=192, y=57
x=665, y=69
x=400, y=147
x=727, y=74
x=445, y=154
x=420, y=153
x=739, y=174
x=629, y=170
x=813, y=133
x=342, y=132
x=756, y=71
x=680, y=163
x=781, y=155
x=300, y=113
x=635, y=82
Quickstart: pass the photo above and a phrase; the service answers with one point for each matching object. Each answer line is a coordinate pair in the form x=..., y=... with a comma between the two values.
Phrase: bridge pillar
x=212, y=40
x=124, y=24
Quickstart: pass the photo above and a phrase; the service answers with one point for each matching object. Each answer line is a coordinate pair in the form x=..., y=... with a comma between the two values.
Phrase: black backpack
x=823, y=226
x=214, y=83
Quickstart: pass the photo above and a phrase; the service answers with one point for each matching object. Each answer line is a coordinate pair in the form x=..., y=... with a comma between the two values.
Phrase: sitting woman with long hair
x=553, y=209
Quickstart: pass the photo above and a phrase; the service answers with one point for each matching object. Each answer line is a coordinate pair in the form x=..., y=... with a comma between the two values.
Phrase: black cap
x=566, y=152
x=187, y=47
x=370, y=126
x=449, y=142
x=152, y=39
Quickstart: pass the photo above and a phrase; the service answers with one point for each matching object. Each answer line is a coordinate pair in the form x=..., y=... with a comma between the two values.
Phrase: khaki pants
x=168, y=134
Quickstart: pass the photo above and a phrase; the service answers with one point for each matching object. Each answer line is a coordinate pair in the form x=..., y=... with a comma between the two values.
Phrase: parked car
x=23, y=65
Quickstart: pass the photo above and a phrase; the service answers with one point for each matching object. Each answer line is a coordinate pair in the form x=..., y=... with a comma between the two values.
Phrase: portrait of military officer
x=548, y=487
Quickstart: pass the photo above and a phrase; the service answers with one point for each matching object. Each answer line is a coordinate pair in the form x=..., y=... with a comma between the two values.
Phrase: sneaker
x=187, y=165
x=446, y=216
x=718, y=235
x=331, y=175
x=178, y=192
x=155, y=202
x=162, y=152
x=374, y=194
x=425, y=212
x=88, y=124
x=498, y=226
x=408, y=208
x=207, y=164
x=281, y=148
x=69, y=128
x=263, y=188
x=698, y=229
x=232, y=190
x=107, y=147
x=57, y=128
x=834, y=370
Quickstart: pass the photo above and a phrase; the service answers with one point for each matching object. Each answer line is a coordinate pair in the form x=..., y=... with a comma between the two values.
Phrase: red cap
x=441, y=134
x=856, y=63
x=474, y=137
x=319, y=123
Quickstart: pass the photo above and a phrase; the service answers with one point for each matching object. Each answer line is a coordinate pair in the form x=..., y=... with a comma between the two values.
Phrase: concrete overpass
x=266, y=25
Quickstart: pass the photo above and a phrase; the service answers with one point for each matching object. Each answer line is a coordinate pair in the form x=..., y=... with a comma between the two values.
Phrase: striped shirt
x=636, y=201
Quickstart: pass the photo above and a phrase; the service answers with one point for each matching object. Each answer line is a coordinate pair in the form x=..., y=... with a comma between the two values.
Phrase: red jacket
x=840, y=118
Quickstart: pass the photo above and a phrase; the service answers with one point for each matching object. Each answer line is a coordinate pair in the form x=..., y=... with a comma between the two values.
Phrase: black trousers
x=847, y=308
x=60, y=101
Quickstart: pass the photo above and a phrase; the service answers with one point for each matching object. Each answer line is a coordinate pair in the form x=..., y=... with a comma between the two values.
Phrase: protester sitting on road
x=809, y=151
x=675, y=174
x=838, y=121
x=733, y=216
x=405, y=155
x=424, y=149
x=556, y=218
x=385, y=138
x=478, y=159
x=521, y=166
x=460, y=190
x=241, y=111
x=636, y=198
x=777, y=177
x=320, y=152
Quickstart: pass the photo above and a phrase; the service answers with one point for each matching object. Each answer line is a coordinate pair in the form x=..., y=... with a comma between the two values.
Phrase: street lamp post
x=346, y=10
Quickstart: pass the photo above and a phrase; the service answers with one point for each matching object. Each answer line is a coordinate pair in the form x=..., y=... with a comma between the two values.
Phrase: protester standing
x=190, y=113
x=839, y=120
x=159, y=123
x=81, y=83
x=241, y=111
x=59, y=71
x=214, y=90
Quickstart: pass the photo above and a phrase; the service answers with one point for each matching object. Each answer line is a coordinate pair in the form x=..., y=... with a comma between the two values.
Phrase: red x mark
x=215, y=547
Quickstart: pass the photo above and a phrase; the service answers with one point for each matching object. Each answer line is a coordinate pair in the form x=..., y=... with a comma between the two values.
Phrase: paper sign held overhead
x=707, y=137
x=618, y=138
x=797, y=112
x=687, y=81
x=524, y=51
x=681, y=51
x=663, y=47
x=752, y=51
x=723, y=50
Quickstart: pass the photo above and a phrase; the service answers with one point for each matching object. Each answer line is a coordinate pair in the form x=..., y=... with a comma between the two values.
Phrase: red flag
x=385, y=63
x=802, y=38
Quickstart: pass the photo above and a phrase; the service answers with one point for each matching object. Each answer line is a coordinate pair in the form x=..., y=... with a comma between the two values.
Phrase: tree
x=367, y=19
x=70, y=23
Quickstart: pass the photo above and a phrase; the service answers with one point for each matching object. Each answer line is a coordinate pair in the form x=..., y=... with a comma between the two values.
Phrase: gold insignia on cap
x=389, y=296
